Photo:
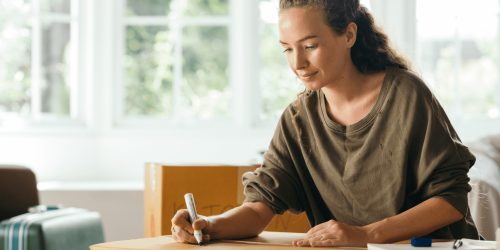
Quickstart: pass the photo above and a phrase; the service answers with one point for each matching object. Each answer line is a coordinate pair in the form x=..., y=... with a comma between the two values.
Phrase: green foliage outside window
x=163, y=7
x=205, y=85
x=206, y=7
x=278, y=84
x=15, y=62
x=149, y=62
x=148, y=70
x=148, y=7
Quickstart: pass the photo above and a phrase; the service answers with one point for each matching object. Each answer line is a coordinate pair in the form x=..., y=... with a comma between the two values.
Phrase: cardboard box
x=216, y=189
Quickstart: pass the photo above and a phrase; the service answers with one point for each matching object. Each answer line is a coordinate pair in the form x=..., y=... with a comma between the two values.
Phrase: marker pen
x=193, y=215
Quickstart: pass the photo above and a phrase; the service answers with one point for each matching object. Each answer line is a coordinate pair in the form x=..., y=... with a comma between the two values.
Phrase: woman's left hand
x=334, y=233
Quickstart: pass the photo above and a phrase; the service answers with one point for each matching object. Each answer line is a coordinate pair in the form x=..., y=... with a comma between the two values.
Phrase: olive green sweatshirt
x=402, y=153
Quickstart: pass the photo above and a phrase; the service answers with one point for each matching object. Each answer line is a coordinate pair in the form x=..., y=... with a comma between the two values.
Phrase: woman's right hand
x=182, y=230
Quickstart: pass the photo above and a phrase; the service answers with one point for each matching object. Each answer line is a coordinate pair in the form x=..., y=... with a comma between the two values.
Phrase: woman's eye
x=307, y=47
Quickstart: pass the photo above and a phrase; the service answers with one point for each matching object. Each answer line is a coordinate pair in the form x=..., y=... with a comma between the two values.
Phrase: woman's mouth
x=307, y=77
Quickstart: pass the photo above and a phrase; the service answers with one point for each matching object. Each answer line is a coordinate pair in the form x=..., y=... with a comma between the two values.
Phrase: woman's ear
x=351, y=33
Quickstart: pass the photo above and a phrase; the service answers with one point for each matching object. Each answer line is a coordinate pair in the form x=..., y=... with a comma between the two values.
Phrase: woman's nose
x=300, y=60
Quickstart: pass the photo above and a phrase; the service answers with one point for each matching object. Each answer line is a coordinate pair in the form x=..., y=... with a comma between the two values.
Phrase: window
x=38, y=67
x=173, y=65
x=217, y=61
x=458, y=52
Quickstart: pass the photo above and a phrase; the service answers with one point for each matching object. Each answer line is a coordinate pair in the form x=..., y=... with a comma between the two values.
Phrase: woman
x=366, y=151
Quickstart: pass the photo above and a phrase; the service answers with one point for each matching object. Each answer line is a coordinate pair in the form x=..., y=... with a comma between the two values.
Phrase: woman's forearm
x=247, y=220
x=420, y=220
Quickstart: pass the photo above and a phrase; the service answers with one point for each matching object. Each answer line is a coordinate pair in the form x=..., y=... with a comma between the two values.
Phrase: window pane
x=438, y=58
x=15, y=7
x=57, y=6
x=55, y=81
x=205, y=87
x=148, y=71
x=205, y=7
x=189, y=7
x=147, y=7
x=15, y=65
x=459, y=53
x=478, y=79
x=278, y=84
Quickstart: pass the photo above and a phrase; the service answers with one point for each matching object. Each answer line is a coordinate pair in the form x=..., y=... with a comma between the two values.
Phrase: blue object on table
x=421, y=242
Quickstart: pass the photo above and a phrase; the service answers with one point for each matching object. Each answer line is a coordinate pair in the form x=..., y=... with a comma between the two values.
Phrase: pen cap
x=421, y=242
x=193, y=215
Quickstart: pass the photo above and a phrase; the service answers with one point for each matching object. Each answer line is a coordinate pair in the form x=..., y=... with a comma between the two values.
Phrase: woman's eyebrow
x=301, y=40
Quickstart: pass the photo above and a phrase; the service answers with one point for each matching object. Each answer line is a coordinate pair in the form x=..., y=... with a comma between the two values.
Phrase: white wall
x=121, y=156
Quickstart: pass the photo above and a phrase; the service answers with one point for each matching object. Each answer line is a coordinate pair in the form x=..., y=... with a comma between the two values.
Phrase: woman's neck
x=349, y=87
x=353, y=95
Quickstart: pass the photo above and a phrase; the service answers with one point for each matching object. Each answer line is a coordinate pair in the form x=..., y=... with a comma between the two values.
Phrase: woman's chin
x=312, y=85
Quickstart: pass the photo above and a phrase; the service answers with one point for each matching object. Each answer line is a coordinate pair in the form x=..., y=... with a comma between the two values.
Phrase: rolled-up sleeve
x=276, y=182
x=450, y=184
x=440, y=162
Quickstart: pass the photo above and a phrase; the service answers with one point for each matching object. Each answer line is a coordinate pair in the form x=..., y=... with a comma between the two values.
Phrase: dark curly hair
x=371, y=52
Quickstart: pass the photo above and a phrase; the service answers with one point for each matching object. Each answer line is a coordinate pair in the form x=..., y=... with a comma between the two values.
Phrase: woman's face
x=314, y=52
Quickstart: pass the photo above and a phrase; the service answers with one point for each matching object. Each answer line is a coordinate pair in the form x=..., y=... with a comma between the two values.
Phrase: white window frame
x=36, y=120
x=242, y=64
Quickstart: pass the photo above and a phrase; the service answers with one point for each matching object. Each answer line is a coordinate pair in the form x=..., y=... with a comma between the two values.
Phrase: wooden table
x=266, y=240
